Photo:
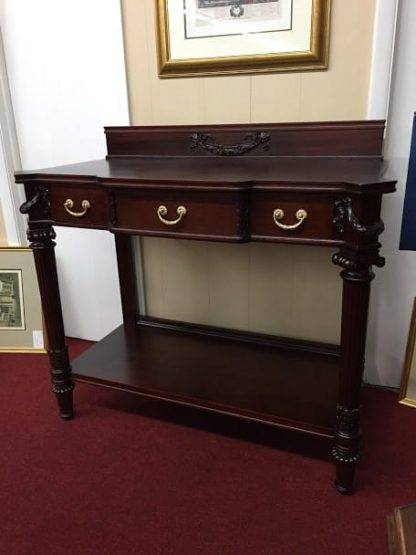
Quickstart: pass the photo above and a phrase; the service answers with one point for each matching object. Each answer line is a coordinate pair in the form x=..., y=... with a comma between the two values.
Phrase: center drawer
x=220, y=216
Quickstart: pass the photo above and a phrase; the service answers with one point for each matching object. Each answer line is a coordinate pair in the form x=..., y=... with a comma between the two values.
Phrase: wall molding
x=12, y=196
x=381, y=69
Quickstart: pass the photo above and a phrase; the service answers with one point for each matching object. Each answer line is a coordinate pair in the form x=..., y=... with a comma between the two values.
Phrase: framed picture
x=11, y=300
x=214, y=37
x=407, y=394
x=21, y=321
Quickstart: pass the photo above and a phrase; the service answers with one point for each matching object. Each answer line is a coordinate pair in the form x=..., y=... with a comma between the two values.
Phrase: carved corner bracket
x=40, y=233
x=357, y=260
x=344, y=213
x=250, y=142
x=40, y=198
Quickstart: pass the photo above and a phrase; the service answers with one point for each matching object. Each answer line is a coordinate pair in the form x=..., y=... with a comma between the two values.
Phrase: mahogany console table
x=312, y=184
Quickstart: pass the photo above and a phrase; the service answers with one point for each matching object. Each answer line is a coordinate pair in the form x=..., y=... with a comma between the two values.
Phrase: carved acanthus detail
x=344, y=212
x=357, y=265
x=40, y=238
x=250, y=142
x=341, y=259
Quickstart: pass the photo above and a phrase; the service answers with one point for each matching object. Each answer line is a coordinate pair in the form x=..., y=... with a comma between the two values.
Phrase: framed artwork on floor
x=214, y=37
x=21, y=321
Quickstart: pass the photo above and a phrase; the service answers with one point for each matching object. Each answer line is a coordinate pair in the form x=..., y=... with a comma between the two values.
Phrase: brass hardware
x=278, y=214
x=163, y=211
x=69, y=203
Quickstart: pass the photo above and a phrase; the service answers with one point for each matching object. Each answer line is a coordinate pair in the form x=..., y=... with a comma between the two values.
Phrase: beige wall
x=275, y=289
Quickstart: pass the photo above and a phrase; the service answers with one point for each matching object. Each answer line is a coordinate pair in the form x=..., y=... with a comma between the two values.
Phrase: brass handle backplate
x=69, y=203
x=278, y=214
x=163, y=211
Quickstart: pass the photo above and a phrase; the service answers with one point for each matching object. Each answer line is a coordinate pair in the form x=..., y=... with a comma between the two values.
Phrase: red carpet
x=122, y=479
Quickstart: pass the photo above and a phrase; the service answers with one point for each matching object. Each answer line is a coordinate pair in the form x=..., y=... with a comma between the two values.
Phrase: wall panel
x=66, y=70
x=268, y=288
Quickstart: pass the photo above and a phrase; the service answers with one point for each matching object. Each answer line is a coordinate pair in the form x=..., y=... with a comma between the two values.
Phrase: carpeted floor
x=127, y=477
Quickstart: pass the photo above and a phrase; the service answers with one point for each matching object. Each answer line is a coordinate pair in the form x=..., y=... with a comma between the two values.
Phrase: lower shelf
x=282, y=386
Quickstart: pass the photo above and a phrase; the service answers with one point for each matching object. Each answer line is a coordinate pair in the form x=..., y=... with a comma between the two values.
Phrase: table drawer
x=190, y=214
x=80, y=206
x=292, y=217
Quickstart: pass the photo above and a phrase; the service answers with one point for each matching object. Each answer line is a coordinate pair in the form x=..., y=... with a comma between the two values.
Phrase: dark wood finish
x=274, y=341
x=209, y=215
x=318, y=226
x=356, y=292
x=47, y=201
x=41, y=238
x=230, y=179
x=96, y=216
x=351, y=175
x=200, y=371
x=401, y=528
x=126, y=274
x=346, y=138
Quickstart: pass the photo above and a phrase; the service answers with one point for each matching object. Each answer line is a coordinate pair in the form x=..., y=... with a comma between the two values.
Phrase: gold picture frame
x=21, y=319
x=300, y=40
x=407, y=393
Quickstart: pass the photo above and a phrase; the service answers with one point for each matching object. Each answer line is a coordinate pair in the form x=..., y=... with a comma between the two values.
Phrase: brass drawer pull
x=163, y=211
x=278, y=214
x=69, y=203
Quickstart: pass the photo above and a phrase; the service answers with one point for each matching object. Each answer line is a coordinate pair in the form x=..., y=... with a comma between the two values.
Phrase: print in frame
x=214, y=37
x=11, y=300
x=21, y=321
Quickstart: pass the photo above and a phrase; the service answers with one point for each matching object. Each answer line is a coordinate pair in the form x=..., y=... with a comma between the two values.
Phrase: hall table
x=305, y=183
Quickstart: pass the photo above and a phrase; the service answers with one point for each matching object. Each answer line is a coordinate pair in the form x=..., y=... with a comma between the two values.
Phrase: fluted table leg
x=355, y=300
x=41, y=236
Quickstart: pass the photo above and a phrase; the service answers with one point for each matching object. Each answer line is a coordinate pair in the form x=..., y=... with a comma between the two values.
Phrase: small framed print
x=214, y=37
x=12, y=315
x=21, y=321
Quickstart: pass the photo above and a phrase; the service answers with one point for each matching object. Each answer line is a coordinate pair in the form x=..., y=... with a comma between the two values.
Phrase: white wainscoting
x=66, y=70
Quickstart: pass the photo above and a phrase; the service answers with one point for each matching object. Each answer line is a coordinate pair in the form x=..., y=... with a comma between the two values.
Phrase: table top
x=355, y=172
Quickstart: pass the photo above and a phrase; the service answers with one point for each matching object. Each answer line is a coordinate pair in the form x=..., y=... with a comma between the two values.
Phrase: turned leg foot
x=62, y=384
x=346, y=450
x=65, y=401
x=344, y=481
